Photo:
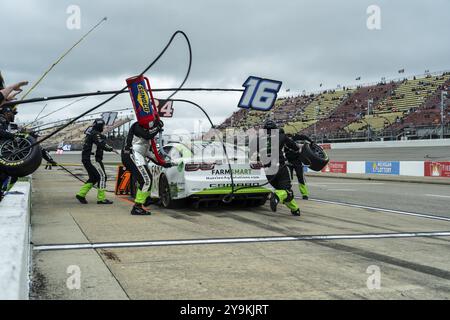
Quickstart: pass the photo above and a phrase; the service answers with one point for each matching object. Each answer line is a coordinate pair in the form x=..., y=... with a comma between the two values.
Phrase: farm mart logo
x=227, y=171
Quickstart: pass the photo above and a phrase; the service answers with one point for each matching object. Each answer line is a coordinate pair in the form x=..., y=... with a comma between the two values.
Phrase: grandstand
x=75, y=133
x=383, y=110
x=319, y=108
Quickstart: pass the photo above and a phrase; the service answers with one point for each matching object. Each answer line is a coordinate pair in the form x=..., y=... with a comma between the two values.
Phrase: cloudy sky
x=302, y=43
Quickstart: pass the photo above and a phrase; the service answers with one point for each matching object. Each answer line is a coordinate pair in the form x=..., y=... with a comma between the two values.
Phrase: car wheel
x=23, y=163
x=315, y=155
x=165, y=196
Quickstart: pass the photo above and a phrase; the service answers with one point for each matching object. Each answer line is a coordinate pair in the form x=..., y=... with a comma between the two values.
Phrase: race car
x=201, y=173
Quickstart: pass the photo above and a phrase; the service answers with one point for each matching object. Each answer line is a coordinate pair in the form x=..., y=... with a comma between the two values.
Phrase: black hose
x=121, y=91
x=76, y=177
x=102, y=93
x=212, y=126
x=229, y=197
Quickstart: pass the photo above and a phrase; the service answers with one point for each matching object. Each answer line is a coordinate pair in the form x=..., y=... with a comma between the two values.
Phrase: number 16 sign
x=259, y=93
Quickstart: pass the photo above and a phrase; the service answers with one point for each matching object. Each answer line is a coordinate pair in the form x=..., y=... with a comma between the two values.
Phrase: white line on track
x=420, y=215
x=346, y=183
x=437, y=195
x=160, y=243
x=342, y=189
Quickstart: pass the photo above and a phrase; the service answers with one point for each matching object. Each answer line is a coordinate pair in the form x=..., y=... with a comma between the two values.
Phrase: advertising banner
x=336, y=167
x=437, y=169
x=383, y=167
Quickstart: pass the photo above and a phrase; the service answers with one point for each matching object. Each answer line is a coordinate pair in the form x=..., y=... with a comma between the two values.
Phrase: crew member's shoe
x=105, y=201
x=81, y=199
x=138, y=210
x=274, y=202
x=305, y=197
x=296, y=213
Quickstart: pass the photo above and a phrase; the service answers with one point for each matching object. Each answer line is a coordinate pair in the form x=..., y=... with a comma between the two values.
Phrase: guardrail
x=15, y=242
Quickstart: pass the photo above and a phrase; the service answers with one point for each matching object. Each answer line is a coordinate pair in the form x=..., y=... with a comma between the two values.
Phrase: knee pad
x=290, y=196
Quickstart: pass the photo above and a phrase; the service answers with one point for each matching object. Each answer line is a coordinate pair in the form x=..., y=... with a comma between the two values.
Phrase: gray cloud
x=302, y=43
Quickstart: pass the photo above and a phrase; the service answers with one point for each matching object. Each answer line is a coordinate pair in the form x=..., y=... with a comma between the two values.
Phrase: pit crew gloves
x=85, y=189
x=283, y=195
x=141, y=196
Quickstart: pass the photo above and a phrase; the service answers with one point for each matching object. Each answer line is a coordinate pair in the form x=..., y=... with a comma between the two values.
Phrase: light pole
x=368, y=129
x=443, y=96
x=317, y=113
x=369, y=106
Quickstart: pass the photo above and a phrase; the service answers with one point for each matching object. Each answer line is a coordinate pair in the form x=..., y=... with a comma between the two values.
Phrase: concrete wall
x=15, y=242
x=392, y=144
x=398, y=168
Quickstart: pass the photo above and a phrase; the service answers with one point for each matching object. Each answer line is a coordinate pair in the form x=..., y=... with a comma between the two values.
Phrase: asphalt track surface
x=401, y=229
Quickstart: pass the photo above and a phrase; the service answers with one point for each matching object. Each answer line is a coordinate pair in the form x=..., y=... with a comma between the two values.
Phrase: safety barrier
x=15, y=242
x=399, y=168
x=388, y=144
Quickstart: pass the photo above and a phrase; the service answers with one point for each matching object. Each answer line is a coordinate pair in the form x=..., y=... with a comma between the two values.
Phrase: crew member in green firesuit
x=296, y=161
x=96, y=171
x=281, y=180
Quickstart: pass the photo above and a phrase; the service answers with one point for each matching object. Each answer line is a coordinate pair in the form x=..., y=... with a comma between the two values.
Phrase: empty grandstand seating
x=407, y=96
x=395, y=105
x=351, y=109
x=428, y=113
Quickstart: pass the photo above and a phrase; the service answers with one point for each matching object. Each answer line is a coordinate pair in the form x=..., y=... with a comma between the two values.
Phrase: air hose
x=226, y=198
x=229, y=197
x=122, y=90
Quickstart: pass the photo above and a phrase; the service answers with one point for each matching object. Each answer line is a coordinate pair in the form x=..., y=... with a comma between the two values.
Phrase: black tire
x=165, y=197
x=22, y=164
x=260, y=202
x=315, y=156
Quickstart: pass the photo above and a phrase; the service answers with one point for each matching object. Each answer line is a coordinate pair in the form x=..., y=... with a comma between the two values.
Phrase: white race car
x=201, y=172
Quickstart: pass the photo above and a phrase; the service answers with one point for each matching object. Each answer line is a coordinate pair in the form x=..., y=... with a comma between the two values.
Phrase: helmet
x=98, y=125
x=270, y=124
x=6, y=110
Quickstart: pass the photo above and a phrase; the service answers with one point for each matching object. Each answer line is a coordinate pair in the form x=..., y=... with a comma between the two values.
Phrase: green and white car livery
x=201, y=172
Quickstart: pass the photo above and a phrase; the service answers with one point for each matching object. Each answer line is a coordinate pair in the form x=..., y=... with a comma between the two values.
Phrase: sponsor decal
x=243, y=184
x=142, y=98
x=336, y=167
x=227, y=171
x=437, y=169
x=180, y=167
x=383, y=167
x=123, y=182
x=174, y=190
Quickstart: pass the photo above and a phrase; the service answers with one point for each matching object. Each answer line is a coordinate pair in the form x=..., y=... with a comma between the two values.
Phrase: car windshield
x=215, y=150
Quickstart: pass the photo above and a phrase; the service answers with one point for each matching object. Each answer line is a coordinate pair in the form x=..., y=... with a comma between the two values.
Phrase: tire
x=165, y=197
x=261, y=202
x=315, y=156
x=22, y=164
x=254, y=203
